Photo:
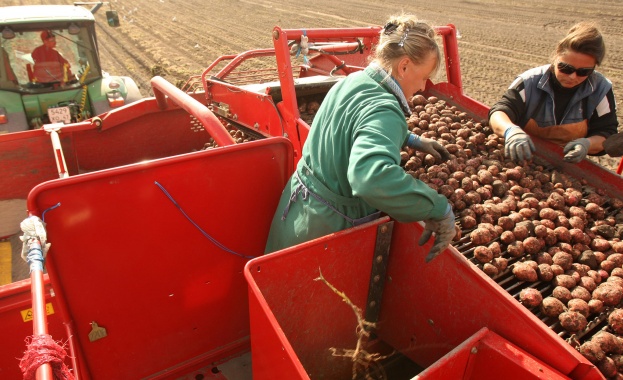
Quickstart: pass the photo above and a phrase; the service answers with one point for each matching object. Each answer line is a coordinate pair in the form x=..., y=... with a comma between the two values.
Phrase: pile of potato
x=542, y=225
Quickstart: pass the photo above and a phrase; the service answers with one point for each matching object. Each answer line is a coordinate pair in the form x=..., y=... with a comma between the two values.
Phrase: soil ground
x=499, y=39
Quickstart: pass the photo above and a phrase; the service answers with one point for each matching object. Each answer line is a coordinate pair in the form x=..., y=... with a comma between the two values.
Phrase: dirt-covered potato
x=545, y=273
x=581, y=293
x=531, y=245
x=564, y=259
x=500, y=262
x=530, y=297
x=615, y=321
x=587, y=283
x=579, y=305
x=607, y=367
x=564, y=280
x=561, y=293
x=480, y=236
x=608, y=342
x=608, y=293
x=572, y=321
x=552, y=307
x=515, y=249
x=592, y=351
x=490, y=269
x=595, y=306
x=525, y=272
x=483, y=254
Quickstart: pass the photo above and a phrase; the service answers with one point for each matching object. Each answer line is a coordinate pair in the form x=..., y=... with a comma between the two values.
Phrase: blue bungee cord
x=48, y=209
x=214, y=241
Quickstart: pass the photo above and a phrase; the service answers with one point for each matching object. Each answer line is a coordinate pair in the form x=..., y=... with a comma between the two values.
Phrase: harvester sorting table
x=156, y=268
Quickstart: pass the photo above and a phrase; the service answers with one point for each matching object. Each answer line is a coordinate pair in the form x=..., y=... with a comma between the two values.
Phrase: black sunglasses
x=569, y=69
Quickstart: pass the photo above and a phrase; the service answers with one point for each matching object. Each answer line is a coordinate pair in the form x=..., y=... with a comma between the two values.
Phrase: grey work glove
x=576, y=150
x=518, y=145
x=429, y=146
x=444, y=230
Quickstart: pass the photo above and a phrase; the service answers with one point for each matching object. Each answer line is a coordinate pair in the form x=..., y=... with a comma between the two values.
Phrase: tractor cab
x=50, y=69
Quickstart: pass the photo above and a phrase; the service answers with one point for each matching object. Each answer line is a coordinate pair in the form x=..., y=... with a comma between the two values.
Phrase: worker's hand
x=518, y=145
x=429, y=146
x=576, y=150
x=444, y=230
x=33, y=228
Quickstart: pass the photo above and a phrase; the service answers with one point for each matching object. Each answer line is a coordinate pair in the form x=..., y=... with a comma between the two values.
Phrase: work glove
x=34, y=228
x=518, y=145
x=444, y=230
x=429, y=146
x=576, y=150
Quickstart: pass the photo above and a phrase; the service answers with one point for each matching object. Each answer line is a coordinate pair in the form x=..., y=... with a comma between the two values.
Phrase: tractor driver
x=350, y=169
x=50, y=65
x=566, y=102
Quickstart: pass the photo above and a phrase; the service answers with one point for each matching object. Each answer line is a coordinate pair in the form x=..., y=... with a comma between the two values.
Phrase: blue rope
x=214, y=241
x=48, y=209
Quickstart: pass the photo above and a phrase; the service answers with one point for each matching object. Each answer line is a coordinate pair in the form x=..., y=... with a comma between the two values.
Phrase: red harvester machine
x=156, y=268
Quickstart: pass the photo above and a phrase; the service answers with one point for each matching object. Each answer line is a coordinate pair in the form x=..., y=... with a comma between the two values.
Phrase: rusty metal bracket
x=379, y=271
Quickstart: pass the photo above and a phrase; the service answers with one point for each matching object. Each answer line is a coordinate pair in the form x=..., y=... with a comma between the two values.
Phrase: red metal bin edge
x=479, y=357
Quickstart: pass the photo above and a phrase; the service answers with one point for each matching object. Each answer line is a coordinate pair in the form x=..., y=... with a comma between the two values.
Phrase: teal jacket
x=351, y=161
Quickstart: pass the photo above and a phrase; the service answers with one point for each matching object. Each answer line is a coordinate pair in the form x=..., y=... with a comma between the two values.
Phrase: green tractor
x=50, y=69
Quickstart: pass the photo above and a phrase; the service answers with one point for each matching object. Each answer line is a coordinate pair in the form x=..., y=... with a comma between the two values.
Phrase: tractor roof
x=27, y=14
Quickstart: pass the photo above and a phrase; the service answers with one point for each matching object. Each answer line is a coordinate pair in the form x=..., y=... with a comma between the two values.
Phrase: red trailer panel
x=124, y=256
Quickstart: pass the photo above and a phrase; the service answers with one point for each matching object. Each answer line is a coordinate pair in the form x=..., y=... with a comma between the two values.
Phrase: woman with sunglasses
x=566, y=102
x=350, y=169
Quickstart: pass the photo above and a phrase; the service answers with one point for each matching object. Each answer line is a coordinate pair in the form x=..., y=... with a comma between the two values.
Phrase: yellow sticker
x=27, y=314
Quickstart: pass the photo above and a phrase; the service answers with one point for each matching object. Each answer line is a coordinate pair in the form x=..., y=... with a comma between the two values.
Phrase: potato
x=545, y=273
x=515, y=249
x=563, y=259
x=615, y=321
x=587, y=283
x=562, y=234
x=581, y=293
x=561, y=293
x=507, y=237
x=607, y=367
x=501, y=263
x=608, y=293
x=490, y=269
x=521, y=232
x=544, y=258
x=572, y=321
x=608, y=342
x=615, y=280
x=617, y=258
x=483, y=254
x=618, y=361
x=564, y=280
x=601, y=245
x=578, y=305
x=480, y=236
x=592, y=351
x=524, y=272
x=531, y=245
x=595, y=306
x=530, y=297
x=552, y=307
x=557, y=269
